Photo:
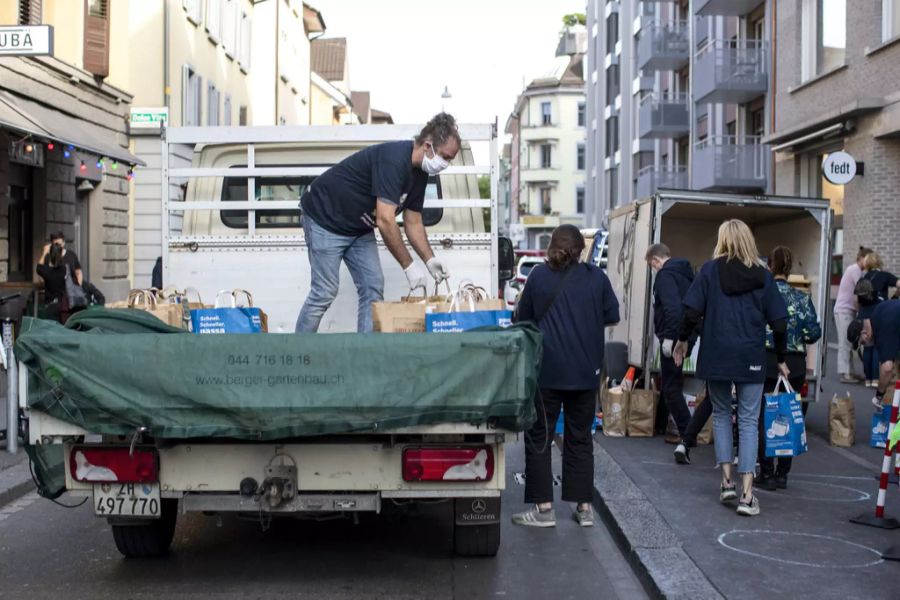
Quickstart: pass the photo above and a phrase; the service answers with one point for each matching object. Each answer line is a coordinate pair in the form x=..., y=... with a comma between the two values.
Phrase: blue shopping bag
x=452, y=322
x=229, y=319
x=881, y=423
x=785, y=430
x=561, y=425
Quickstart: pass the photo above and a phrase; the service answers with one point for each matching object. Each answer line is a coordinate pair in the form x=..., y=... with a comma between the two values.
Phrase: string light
x=83, y=167
x=29, y=148
x=50, y=146
x=130, y=173
x=115, y=165
x=66, y=153
x=100, y=163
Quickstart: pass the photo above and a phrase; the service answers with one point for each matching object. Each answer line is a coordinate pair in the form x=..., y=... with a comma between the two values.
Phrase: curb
x=645, y=538
x=15, y=482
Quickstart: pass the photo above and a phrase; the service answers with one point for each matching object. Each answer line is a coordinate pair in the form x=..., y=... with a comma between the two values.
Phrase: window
x=612, y=32
x=546, y=204
x=190, y=97
x=612, y=187
x=543, y=240
x=214, y=19
x=823, y=36
x=268, y=189
x=612, y=84
x=242, y=116
x=226, y=111
x=580, y=157
x=194, y=10
x=702, y=127
x=890, y=19
x=546, y=156
x=96, y=37
x=212, y=110
x=546, y=114
x=30, y=12
x=612, y=136
x=579, y=200
x=229, y=28
x=243, y=54
x=581, y=113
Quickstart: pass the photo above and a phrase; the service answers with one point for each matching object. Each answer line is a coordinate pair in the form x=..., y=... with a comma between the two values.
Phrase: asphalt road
x=51, y=552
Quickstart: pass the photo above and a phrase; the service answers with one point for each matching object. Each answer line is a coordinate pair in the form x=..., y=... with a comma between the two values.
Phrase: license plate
x=127, y=499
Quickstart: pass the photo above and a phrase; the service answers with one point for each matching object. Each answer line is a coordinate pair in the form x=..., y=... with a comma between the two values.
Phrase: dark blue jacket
x=573, y=327
x=736, y=303
x=671, y=285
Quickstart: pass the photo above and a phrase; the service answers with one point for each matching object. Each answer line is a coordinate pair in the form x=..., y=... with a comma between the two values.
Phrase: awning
x=41, y=121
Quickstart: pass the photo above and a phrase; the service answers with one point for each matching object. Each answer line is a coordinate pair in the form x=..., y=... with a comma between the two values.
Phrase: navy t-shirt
x=733, y=340
x=343, y=198
x=886, y=328
x=573, y=327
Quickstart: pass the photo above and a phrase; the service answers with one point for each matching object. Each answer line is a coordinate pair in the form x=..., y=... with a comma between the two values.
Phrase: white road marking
x=785, y=493
x=722, y=537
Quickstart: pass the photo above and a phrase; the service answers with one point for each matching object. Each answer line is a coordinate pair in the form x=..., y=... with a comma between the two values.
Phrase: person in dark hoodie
x=673, y=278
x=736, y=297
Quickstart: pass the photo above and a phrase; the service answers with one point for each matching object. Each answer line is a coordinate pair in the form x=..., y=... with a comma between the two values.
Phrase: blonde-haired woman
x=736, y=297
x=882, y=282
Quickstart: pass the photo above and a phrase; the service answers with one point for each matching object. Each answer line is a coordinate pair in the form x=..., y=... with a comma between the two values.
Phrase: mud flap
x=477, y=511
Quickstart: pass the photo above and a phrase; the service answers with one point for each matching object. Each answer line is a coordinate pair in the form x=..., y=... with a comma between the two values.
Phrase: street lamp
x=445, y=98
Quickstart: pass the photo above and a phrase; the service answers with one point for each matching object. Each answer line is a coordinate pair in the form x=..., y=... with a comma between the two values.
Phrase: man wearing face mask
x=365, y=191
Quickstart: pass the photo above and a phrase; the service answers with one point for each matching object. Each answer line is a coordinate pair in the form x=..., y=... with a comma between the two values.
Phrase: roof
x=329, y=58
x=382, y=117
x=361, y=102
x=566, y=70
x=312, y=20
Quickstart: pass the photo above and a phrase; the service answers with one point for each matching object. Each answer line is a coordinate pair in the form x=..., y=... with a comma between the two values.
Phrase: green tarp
x=116, y=375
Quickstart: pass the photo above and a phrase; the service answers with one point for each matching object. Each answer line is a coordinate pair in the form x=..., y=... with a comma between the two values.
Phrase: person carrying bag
x=571, y=303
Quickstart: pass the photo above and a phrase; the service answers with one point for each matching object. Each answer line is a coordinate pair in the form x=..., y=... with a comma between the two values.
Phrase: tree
x=573, y=19
x=484, y=187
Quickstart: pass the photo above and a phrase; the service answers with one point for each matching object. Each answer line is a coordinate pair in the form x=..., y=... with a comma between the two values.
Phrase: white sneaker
x=727, y=493
x=750, y=508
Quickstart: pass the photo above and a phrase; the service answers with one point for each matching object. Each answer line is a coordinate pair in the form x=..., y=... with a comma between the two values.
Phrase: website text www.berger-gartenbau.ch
x=301, y=362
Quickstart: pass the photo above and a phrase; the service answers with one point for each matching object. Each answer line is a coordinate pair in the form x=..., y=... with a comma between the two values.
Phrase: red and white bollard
x=879, y=520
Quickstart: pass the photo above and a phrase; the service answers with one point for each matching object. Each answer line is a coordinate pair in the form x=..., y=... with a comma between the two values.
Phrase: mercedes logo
x=479, y=506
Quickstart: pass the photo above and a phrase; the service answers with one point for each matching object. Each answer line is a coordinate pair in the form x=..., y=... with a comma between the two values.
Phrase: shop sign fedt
x=839, y=168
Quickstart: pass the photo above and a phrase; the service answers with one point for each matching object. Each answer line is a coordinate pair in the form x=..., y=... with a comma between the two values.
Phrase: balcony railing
x=650, y=179
x=727, y=71
x=664, y=116
x=664, y=46
x=729, y=8
x=731, y=163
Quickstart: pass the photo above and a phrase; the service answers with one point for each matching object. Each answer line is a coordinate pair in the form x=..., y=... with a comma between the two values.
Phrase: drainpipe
x=166, y=91
x=773, y=88
x=277, y=46
x=692, y=107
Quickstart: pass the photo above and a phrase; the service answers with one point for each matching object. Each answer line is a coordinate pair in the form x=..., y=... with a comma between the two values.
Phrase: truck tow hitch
x=279, y=486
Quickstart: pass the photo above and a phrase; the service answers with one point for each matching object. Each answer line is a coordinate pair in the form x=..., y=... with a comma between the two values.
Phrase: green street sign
x=149, y=118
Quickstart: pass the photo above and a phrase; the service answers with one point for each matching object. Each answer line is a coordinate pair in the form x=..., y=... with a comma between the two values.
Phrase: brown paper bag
x=614, y=402
x=149, y=301
x=642, y=412
x=841, y=421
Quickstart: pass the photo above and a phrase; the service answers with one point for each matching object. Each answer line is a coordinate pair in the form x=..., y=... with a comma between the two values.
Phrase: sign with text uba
x=26, y=40
x=839, y=168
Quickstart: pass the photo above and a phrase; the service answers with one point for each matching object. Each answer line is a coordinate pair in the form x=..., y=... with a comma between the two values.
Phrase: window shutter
x=30, y=12
x=96, y=37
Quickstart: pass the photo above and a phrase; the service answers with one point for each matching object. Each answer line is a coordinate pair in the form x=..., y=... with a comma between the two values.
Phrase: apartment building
x=332, y=98
x=547, y=156
x=837, y=88
x=677, y=97
x=64, y=156
x=215, y=62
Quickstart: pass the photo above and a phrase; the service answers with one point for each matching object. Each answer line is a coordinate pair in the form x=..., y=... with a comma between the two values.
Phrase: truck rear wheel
x=150, y=539
x=476, y=540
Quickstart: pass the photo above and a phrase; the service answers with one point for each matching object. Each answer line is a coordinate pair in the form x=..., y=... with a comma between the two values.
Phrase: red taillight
x=97, y=465
x=448, y=464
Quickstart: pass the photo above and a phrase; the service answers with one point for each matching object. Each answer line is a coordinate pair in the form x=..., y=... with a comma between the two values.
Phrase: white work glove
x=437, y=270
x=416, y=276
x=667, y=346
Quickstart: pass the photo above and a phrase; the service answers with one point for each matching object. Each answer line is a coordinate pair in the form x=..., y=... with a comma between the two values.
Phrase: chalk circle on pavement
x=823, y=492
x=826, y=552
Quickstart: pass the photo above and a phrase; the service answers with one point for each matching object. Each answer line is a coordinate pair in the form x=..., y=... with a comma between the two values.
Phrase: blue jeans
x=749, y=396
x=326, y=251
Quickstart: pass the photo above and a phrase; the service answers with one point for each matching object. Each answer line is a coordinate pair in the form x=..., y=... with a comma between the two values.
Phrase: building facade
x=64, y=157
x=677, y=97
x=547, y=155
x=838, y=89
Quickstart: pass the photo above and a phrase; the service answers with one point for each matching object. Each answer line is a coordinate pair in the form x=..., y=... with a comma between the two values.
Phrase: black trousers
x=702, y=413
x=767, y=463
x=673, y=393
x=578, y=407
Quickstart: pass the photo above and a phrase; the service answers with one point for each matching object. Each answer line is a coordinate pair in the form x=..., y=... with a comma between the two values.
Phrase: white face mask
x=435, y=164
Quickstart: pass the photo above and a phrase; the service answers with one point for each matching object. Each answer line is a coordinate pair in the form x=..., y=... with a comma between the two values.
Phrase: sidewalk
x=802, y=545
x=15, y=478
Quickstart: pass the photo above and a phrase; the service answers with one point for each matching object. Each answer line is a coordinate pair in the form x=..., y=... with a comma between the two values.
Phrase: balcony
x=733, y=72
x=664, y=116
x=650, y=179
x=727, y=163
x=727, y=8
x=664, y=47
x=540, y=176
